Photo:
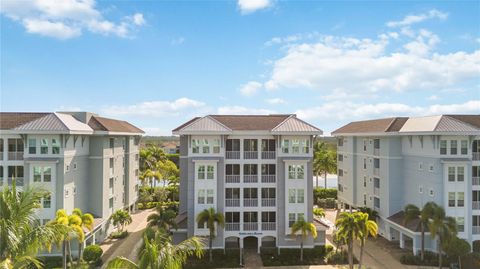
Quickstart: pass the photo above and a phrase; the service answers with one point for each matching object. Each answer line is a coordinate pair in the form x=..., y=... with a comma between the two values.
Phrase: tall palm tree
x=442, y=227
x=163, y=219
x=161, y=253
x=425, y=215
x=324, y=161
x=305, y=228
x=73, y=224
x=367, y=228
x=21, y=237
x=211, y=217
x=87, y=222
x=348, y=229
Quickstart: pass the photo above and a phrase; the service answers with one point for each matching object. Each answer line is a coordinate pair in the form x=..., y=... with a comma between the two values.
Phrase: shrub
x=290, y=256
x=321, y=193
x=167, y=205
x=119, y=235
x=476, y=246
x=51, y=261
x=92, y=253
x=430, y=259
x=230, y=259
x=339, y=258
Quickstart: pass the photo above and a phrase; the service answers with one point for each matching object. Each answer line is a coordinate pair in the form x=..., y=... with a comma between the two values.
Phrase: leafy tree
x=372, y=214
x=161, y=253
x=457, y=248
x=120, y=219
x=367, y=228
x=319, y=212
x=168, y=171
x=324, y=161
x=305, y=228
x=348, y=229
x=87, y=222
x=425, y=215
x=21, y=236
x=210, y=217
x=163, y=219
x=442, y=227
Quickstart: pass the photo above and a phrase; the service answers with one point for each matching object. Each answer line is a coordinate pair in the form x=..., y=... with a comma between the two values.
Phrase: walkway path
x=252, y=259
x=127, y=247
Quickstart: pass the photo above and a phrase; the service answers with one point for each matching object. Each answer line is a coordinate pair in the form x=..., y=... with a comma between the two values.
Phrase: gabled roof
x=399, y=219
x=206, y=124
x=372, y=126
x=251, y=122
x=55, y=122
x=10, y=120
x=111, y=125
x=436, y=124
x=296, y=125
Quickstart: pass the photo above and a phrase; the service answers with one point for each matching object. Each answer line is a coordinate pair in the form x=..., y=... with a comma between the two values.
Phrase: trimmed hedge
x=168, y=205
x=322, y=193
x=119, y=235
x=326, y=203
x=93, y=254
x=291, y=256
x=230, y=259
x=431, y=259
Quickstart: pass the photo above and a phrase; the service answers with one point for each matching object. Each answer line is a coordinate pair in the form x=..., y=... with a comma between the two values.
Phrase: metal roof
x=295, y=125
x=55, y=122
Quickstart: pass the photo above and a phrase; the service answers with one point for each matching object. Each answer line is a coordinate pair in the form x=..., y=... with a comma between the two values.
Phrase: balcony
x=476, y=156
x=376, y=152
x=250, y=226
x=232, y=226
x=250, y=154
x=376, y=171
x=232, y=202
x=268, y=155
x=268, y=202
x=232, y=155
x=268, y=226
x=15, y=156
x=268, y=178
x=376, y=191
x=250, y=202
x=476, y=181
x=18, y=181
x=232, y=178
x=475, y=204
x=475, y=229
x=250, y=178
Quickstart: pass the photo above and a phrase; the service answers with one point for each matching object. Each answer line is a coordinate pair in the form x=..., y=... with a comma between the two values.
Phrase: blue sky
x=159, y=63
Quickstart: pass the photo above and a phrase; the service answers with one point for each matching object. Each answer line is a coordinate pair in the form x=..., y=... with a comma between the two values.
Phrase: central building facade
x=256, y=170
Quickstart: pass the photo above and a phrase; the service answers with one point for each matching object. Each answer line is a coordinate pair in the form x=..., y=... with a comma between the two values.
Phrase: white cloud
x=412, y=19
x=241, y=110
x=250, y=88
x=156, y=131
x=67, y=18
x=161, y=109
x=276, y=101
x=433, y=97
x=249, y=6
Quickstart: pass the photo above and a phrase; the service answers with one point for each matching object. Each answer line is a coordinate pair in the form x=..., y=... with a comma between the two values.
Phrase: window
x=43, y=146
x=110, y=203
x=250, y=217
x=210, y=196
x=32, y=146
x=112, y=166
x=201, y=172
x=460, y=199
x=268, y=169
x=285, y=145
x=451, y=199
x=232, y=193
x=300, y=196
x=250, y=145
x=431, y=168
x=14, y=145
x=453, y=147
x=112, y=143
x=305, y=146
x=376, y=163
x=460, y=173
x=376, y=202
x=431, y=192
x=1, y=146
x=340, y=157
x=420, y=189
x=296, y=171
x=364, y=199
x=291, y=219
x=201, y=197
x=364, y=181
x=376, y=182
x=268, y=145
x=216, y=146
x=464, y=147
x=201, y=225
x=268, y=193
x=47, y=200
x=443, y=147
x=461, y=224
x=451, y=174
x=364, y=145
x=195, y=146
x=15, y=172
x=250, y=193
x=233, y=145
x=232, y=169
x=75, y=165
x=268, y=217
x=55, y=146
x=291, y=172
x=67, y=168
x=364, y=163
x=340, y=172
x=250, y=169
x=136, y=157
x=47, y=174
x=300, y=216
x=340, y=142
x=376, y=143
x=210, y=172
x=291, y=196
x=420, y=166
x=205, y=147
x=295, y=146
x=300, y=172
x=232, y=217
x=37, y=174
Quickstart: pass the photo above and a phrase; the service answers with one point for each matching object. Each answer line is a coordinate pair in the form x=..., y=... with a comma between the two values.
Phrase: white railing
x=232, y=226
x=376, y=171
x=250, y=154
x=250, y=178
x=268, y=154
x=376, y=191
x=475, y=204
x=232, y=178
x=476, y=156
x=268, y=178
x=268, y=226
x=250, y=226
x=476, y=229
x=232, y=202
x=232, y=154
x=15, y=156
x=268, y=201
x=376, y=152
x=250, y=202
x=18, y=181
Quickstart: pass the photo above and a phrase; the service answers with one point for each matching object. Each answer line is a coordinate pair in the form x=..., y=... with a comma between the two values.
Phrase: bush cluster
x=168, y=205
x=229, y=259
x=326, y=203
x=340, y=257
x=119, y=235
x=325, y=198
x=291, y=256
x=93, y=254
x=431, y=259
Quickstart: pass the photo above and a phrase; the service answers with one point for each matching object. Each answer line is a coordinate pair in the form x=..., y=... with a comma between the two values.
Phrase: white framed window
x=420, y=166
x=291, y=196
x=443, y=147
x=420, y=189
x=210, y=196
x=210, y=172
x=451, y=199
x=44, y=146
x=291, y=219
x=110, y=203
x=453, y=147
x=364, y=163
x=32, y=146
x=460, y=173
x=340, y=142
x=216, y=146
x=195, y=146
x=47, y=201
x=340, y=157
x=201, y=172
x=205, y=147
x=364, y=181
x=431, y=192
x=461, y=224
x=364, y=145
x=300, y=216
x=300, y=196
x=340, y=172
x=431, y=168
x=285, y=145
x=47, y=174
x=460, y=199
x=201, y=197
x=464, y=147
x=451, y=173
x=37, y=174
x=295, y=146
x=55, y=146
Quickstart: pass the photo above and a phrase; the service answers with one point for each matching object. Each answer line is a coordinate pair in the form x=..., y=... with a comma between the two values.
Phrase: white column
x=241, y=252
x=402, y=243
x=414, y=245
x=259, y=241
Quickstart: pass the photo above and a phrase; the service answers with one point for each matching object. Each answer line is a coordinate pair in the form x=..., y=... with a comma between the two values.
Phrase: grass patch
x=220, y=260
x=291, y=256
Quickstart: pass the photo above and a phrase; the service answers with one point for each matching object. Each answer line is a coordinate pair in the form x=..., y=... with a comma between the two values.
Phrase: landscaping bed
x=291, y=256
x=230, y=259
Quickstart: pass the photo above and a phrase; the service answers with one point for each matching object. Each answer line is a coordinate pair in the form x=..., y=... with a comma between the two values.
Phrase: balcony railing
x=232, y=226
x=268, y=178
x=475, y=181
x=268, y=201
x=232, y=178
x=15, y=156
x=250, y=202
x=376, y=191
x=268, y=155
x=268, y=226
x=232, y=154
x=232, y=202
x=476, y=229
x=250, y=226
x=250, y=178
x=376, y=171
x=18, y=181
x=476, y=156
x=250, y=154
x=376, y=152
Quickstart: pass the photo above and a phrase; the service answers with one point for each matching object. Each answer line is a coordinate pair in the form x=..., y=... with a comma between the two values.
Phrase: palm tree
x=348, y=229
x=442, y=227
x=21, y=237
x=121, y=218
x=425, y=215
x=367, y=228
x=319, y=212
x=163, y=219
x=211, y=217
x=73, y=224
x=325, y=161
x=161, y=253
x=372, y=214
x=305, y=228
x=87, y=222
